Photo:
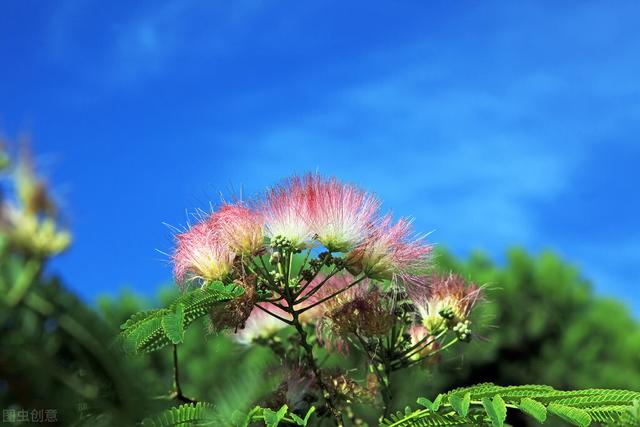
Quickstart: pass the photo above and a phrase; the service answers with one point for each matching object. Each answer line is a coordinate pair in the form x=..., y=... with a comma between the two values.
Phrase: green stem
x=479, y=403
x=268, y=277
x=383, y=376
x=317, y=303
x=308, y=350
x=311, y=362
x=304, y=263
x=315, y=289
x=403, y=363
x=177, y=390
x=287, y=321
x=387, y=396
x=385, y=391
x=306, y=285
x=422, y=344
x=271, y=285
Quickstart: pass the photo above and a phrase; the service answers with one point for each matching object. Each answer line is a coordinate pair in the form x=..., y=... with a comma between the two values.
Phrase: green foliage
x=272, y=418
x=53, y=355
x=253, y=379
x=460, y=403
x=496, y=410
x=567, y=337
x=202, y=413
x=173, y=325
x=197, y=414
x=534, y=409
x=151, y=330
x=432, y=406
x=486, y=404
x=631, y=418
x=574, y=416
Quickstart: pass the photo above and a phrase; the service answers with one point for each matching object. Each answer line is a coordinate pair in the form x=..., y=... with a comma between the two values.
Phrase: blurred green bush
x=541, y=323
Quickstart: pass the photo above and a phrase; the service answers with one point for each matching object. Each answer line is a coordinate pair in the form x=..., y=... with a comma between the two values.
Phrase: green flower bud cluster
x=281, y=243
x=447, y=313
x=463, y=331
x=277, y=276
x=447, y=319
x=307, y=274
x=275, y=257
x=324, y=258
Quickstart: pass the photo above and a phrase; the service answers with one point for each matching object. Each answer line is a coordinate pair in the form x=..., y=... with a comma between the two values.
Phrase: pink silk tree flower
x=199, y=254
x=340, y=214
x=285, y=210
x=327, y=332
x=240, y=228
x=390, y=252
x=442, y=300
x=360, y=309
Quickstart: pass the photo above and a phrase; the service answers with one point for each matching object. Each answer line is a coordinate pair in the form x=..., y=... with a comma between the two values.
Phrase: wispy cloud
x=149, y=40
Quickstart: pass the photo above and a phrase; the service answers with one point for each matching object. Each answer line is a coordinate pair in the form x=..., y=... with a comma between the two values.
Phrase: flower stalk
x=311, y=362
x=290, y=298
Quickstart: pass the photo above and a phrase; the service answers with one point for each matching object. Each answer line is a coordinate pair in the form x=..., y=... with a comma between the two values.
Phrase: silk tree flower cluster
x=319, y=255
x=29, y=220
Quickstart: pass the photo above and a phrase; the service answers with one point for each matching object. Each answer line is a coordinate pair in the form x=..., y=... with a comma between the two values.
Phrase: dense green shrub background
x=541, y=323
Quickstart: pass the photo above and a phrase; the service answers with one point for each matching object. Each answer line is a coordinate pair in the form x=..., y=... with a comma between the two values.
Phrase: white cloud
x=148, y=39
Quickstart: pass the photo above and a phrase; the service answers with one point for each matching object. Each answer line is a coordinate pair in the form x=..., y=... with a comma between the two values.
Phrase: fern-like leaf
x=534, y=409
x=426, y=418
x=487, y=403
x=271, y=418
x=173, y=324
x=152, y=330
x=575, y=416
x=496, y=410
x=460, y=403
x=607, y=414
x=198, y=414
x=303, y=421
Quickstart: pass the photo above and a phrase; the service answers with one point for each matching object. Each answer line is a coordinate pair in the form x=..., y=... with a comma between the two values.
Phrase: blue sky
x=492, y=123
